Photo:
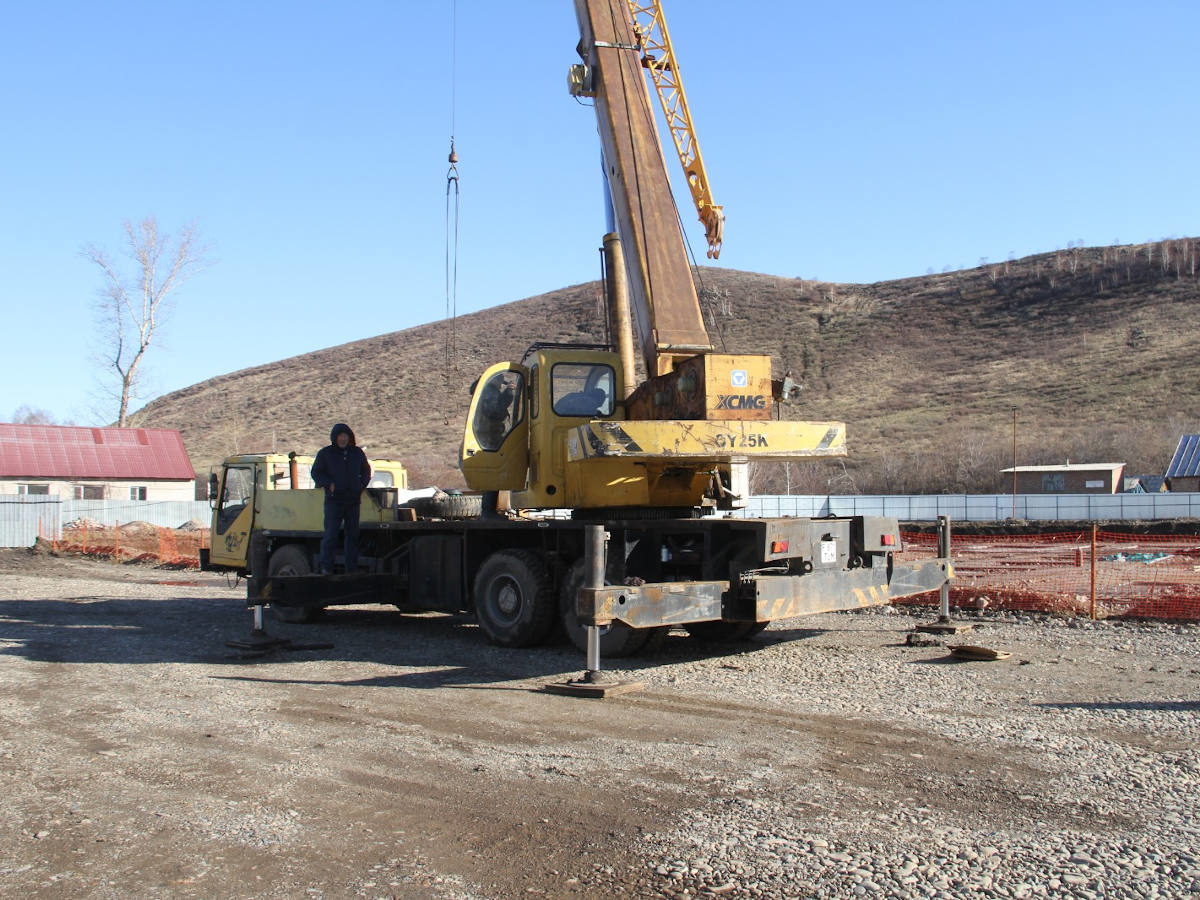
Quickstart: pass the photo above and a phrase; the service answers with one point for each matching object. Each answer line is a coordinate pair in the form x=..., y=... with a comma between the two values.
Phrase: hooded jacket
x=346, y=469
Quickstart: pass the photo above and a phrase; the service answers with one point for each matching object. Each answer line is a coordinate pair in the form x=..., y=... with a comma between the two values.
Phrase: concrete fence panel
x=981, y=507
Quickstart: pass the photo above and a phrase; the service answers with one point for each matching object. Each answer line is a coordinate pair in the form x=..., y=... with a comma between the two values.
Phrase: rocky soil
x=139, y=756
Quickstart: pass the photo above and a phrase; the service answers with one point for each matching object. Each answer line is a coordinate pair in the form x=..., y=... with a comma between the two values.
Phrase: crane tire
x=514, y=598
x=617, y=639
x=291, y=559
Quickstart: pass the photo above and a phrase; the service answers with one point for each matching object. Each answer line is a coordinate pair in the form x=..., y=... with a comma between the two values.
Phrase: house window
x=42, y=490
x=89, y=492
x=137, y=493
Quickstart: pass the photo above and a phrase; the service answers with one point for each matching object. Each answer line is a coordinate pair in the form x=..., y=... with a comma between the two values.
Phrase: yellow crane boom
x=670, y=324
x=658, y=58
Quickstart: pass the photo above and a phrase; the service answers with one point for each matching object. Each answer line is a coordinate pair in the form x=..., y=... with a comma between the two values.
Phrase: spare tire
x=450, y=506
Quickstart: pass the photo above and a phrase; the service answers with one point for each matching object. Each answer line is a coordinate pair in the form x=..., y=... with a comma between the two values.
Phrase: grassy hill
x=1096, y=347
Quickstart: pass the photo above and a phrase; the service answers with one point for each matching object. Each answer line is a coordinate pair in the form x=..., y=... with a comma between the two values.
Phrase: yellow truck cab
x=258, y=491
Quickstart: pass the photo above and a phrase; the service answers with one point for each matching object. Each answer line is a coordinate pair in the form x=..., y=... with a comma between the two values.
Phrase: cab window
x=236, y=492
x=582, y=389
x=501, y=408
x=382, y=479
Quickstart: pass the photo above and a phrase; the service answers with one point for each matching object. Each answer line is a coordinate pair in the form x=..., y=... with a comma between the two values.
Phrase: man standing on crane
x=342, y=471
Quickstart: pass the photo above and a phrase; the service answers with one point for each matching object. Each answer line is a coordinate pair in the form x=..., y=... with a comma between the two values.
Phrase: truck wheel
x=453, y=506
x=617, y=639
x=514, y=598
x=725, y=632
x=290, y=559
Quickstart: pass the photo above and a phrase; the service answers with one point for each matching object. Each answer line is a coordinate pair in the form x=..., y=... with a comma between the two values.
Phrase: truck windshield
x=581, y=389
x=501, y=408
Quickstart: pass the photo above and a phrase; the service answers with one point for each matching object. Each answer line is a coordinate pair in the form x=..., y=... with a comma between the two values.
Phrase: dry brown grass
x=1094, y=346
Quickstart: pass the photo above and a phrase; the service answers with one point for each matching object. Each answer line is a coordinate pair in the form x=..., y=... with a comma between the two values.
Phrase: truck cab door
x=233, y=516
x=495, y=449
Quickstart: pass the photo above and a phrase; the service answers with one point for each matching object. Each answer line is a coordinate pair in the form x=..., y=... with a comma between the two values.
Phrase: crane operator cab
x=521, y=415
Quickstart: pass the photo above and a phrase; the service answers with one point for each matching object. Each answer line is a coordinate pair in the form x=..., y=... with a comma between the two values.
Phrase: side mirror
x=213, y=487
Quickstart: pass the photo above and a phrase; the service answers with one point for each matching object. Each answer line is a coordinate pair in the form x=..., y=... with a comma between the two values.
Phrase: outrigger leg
x=594, y=682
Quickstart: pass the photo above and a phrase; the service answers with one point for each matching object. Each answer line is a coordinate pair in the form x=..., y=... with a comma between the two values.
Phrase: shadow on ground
x=196, y=629
x=1145, y=705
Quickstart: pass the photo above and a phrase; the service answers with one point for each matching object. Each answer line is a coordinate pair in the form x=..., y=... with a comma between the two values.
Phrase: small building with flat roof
x=1069, y=478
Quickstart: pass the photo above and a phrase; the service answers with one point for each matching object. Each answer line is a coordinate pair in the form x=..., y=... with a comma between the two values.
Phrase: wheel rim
x=504, y=597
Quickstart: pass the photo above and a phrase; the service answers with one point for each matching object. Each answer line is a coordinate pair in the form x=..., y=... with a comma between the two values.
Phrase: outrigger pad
x=596, y=685
x=944, y=627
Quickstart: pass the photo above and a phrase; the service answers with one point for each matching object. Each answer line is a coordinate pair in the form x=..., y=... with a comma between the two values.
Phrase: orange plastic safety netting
x=132, y=542
x=1144, y=576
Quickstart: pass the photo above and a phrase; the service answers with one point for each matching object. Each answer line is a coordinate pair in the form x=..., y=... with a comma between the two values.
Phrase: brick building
x=1069, y=478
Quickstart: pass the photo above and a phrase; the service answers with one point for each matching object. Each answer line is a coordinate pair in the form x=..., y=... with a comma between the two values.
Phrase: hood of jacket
x=341, y=428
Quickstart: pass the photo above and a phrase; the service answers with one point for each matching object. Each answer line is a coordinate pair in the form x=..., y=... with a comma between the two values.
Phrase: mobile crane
x=566, y=429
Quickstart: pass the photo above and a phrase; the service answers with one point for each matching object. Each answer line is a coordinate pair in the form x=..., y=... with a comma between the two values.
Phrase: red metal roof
x=62, y=452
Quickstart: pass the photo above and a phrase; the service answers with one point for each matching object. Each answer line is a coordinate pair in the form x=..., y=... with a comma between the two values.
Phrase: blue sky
x=307, y=141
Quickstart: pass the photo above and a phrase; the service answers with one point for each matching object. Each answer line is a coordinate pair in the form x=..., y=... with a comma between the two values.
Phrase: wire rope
x=453, y=205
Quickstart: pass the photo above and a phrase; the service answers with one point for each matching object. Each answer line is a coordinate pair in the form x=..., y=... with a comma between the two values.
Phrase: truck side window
x=581, y=389
x=501, y=408
x=235, y=494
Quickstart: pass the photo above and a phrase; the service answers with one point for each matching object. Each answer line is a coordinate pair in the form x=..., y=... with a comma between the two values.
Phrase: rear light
x=779, y=546
x=888, y=540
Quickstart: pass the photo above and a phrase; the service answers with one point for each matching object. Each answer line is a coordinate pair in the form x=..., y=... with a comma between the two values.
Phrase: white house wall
x=156, y=491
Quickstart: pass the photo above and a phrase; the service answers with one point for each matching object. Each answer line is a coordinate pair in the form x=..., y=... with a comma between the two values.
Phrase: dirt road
x=141, y=757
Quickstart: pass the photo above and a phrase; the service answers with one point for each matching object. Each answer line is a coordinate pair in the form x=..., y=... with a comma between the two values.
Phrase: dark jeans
x=340, y=514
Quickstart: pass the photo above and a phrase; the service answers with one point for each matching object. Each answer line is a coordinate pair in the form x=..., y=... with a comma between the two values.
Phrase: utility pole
x=1014, y=464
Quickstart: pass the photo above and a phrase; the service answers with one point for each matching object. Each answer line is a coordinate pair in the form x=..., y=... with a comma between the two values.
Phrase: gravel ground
x=826, y=757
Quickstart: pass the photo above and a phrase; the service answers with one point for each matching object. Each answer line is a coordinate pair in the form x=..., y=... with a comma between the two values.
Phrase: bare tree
x=132, y=310
x=28, y=415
